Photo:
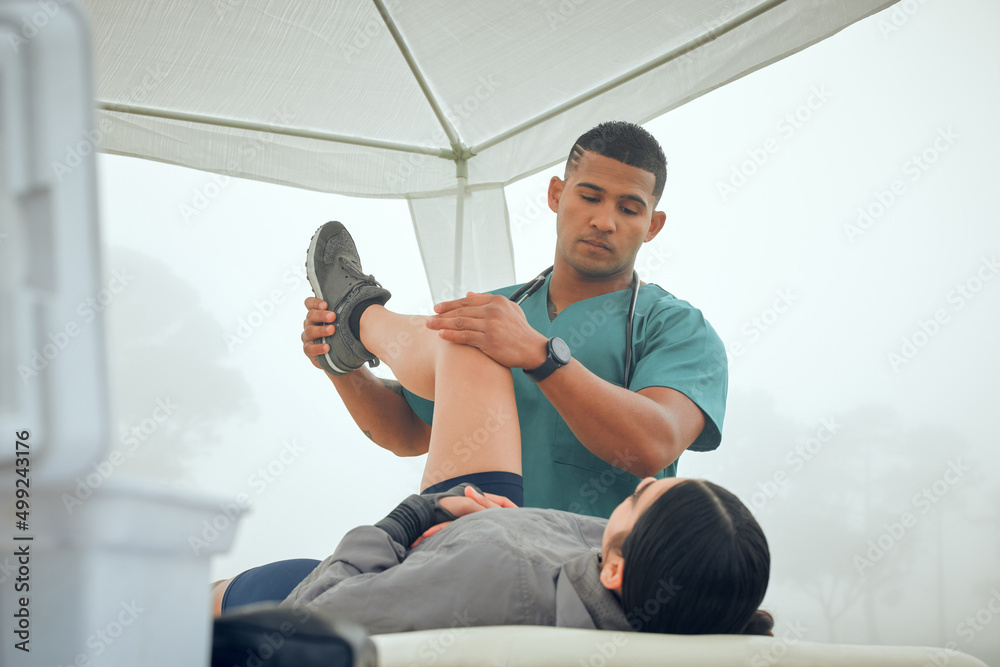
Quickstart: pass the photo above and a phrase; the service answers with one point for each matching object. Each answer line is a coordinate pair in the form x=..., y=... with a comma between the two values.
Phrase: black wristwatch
x=559, y=356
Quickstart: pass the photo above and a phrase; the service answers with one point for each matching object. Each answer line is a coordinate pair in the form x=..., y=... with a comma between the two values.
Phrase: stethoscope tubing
x=529, y=288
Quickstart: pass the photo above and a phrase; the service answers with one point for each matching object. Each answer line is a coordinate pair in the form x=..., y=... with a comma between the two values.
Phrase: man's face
x=623, y=519
x=604, y=213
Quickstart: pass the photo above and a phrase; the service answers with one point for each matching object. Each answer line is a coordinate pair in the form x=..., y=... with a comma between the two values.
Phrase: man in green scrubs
x=586, y=438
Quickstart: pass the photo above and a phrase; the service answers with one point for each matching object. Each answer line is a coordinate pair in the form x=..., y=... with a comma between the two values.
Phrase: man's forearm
x=380, y=410
x=627, y=429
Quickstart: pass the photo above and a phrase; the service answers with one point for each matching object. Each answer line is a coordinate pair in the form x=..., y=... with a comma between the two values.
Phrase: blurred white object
x=93, y=570
x=54, y=372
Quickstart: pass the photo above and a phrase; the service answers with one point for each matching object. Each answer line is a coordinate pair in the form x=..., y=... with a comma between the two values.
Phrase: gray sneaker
x=335, y=274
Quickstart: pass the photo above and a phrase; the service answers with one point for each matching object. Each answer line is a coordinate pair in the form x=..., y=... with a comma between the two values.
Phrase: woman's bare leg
x=218, y=592
x=475, y=416
x=405, y=345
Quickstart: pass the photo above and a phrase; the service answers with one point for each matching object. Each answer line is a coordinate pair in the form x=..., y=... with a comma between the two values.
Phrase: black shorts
x=507, y=484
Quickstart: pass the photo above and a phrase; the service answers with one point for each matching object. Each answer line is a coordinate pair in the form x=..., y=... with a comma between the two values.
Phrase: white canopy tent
x=236, y=89
x=442, y=103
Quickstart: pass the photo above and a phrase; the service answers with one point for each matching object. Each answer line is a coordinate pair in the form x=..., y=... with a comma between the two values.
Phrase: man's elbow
x=407, y=450
x=651, y=465
x=672, y=425
x=660, y=451
x=415, y=441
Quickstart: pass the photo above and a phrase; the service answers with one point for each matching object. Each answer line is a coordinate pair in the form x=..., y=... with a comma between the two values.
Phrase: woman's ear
x=611, y=571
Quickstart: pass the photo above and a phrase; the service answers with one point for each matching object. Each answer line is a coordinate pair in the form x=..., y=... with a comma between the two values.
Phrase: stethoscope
x=529, y=288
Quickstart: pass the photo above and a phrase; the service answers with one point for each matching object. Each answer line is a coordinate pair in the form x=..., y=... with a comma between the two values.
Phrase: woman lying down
x=679, y=556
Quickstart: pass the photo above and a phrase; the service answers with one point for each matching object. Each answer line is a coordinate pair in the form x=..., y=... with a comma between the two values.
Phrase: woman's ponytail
x=761, y=623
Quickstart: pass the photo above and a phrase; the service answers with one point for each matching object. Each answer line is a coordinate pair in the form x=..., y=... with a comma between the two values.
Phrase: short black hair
x=626, y=142
x=696, y=562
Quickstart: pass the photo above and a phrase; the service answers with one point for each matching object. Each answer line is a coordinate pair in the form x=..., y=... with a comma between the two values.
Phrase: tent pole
x=693, y=45
x=270, y=128
x=462, y=180
x=418, y=74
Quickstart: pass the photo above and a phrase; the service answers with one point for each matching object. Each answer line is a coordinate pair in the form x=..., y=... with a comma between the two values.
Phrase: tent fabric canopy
x=442, y=102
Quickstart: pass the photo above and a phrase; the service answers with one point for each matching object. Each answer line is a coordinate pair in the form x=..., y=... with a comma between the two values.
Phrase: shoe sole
x=324, y=359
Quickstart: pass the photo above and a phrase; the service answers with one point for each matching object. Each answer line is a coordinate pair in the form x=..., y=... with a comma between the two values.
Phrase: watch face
x=560, y=351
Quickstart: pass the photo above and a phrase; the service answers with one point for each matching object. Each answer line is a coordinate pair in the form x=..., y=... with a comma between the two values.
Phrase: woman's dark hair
x=696, y=562
x=627, y=143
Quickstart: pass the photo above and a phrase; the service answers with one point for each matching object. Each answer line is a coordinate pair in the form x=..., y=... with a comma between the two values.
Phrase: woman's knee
x=218, y=594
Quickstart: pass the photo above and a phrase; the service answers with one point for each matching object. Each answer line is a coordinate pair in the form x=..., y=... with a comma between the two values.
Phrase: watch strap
x=551, y=365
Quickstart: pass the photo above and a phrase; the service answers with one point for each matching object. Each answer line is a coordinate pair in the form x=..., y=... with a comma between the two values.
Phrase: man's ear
x=611, y=571
x=556, y=185
x=655, y=225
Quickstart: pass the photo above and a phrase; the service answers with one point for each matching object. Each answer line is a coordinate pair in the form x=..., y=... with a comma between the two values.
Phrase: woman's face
x=628, y=512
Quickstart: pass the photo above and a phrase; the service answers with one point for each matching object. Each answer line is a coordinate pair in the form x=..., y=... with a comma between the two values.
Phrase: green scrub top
x=673, y=346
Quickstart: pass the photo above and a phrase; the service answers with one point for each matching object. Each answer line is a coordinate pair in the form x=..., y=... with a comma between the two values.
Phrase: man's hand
x=493, y=324
x=318, y=324
x=472, y=502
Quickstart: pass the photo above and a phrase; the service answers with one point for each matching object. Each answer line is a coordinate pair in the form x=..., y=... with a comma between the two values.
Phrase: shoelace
x=352, y=267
